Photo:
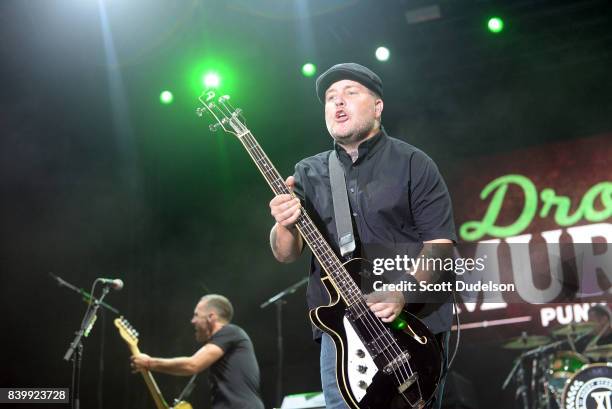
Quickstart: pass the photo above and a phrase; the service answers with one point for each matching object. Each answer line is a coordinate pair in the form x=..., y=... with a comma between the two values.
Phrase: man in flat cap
x=395, y=193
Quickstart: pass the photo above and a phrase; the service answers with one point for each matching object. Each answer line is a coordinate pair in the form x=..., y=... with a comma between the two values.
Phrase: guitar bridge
x=408, y=383
x=419, y=405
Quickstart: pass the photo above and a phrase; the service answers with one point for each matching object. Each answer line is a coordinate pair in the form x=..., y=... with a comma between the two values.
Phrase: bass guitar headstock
x=224, y=114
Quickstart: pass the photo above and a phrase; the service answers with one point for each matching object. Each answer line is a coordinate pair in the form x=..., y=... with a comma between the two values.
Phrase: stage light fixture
x=382, y=53
x=211, y=80
x=166, y=97
x=309, y=69
x=495, y=25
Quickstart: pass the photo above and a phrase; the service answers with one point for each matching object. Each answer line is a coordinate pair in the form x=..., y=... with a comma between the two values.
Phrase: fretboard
x=332, y=266
x=158, y=399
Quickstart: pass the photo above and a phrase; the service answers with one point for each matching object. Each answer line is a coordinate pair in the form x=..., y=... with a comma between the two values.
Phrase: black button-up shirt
x=397, y=197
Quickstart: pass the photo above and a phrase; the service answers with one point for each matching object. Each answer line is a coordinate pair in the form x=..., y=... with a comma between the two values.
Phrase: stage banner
x=540, y=222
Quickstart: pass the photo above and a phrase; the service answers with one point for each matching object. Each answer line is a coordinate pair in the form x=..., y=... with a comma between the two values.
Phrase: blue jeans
x=333, y=397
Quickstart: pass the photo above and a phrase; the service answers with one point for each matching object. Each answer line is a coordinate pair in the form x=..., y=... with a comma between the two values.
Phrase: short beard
x=354, y=138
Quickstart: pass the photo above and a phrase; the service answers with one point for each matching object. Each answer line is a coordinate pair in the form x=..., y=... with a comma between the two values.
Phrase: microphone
x=114, y=283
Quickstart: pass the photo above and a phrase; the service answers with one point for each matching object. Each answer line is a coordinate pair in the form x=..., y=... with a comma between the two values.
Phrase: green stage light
x=309, y=69
x=211, y=80
x=495, y=25
x=382, y=53
x=166, y=97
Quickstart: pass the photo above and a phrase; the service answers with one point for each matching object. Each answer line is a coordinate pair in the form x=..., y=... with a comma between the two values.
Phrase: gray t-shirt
x=234, y=379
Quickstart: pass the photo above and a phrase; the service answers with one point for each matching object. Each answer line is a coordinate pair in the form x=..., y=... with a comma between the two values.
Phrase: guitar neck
x=160, y=402
x=334, y=269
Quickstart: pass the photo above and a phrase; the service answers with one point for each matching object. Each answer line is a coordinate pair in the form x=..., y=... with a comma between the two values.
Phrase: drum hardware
x=574, y=329
x=552, y=366
x=599, y=352
x=534, y=369
x=518, y=374
x=526, y=341
x=528, y=393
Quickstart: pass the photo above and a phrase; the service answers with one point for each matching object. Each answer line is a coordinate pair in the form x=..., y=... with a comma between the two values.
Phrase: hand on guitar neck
x=285, y=240
x=140, y=362
x=130, y=336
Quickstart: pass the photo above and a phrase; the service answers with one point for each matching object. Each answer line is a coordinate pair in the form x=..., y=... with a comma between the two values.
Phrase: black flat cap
x=348, y=71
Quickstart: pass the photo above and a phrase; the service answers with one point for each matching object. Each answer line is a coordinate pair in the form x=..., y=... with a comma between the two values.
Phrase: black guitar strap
x=187, y=390
x=342, y=213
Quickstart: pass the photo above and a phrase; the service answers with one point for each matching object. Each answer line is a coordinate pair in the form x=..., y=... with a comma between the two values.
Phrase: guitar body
x=182, y=405
x=359, y=366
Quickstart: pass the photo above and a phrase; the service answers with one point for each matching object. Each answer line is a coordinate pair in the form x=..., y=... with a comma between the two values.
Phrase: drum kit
x=550, y=373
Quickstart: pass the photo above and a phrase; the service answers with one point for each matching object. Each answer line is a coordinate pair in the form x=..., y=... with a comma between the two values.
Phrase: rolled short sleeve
x=299, y=177
x=429, y=200
x=302, y=187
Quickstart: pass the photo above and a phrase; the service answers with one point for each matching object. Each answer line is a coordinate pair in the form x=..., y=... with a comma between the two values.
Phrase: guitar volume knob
x=363, y=385
x=362, y=368
x=360, y=353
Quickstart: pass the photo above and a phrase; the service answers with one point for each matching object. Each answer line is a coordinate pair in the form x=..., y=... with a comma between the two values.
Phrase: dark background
x=97, y=178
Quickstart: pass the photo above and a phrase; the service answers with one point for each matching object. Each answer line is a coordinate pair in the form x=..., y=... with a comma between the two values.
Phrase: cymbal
x=573, y=329
x=526, y=342
x=598, y=352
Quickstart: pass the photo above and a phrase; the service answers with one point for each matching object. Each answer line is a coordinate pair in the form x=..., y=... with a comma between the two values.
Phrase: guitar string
x=276, y=182
x=371, y=321
x=365, y=315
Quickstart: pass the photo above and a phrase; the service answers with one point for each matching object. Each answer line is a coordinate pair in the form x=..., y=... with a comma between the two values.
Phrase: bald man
x=227, y=351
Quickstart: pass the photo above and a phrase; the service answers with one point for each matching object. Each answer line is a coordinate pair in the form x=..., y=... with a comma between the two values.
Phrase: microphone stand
x=75, y=350
x=278, y=300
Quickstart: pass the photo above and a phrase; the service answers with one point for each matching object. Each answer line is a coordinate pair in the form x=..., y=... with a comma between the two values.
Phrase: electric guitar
x=130, y=336
x=378, y=366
